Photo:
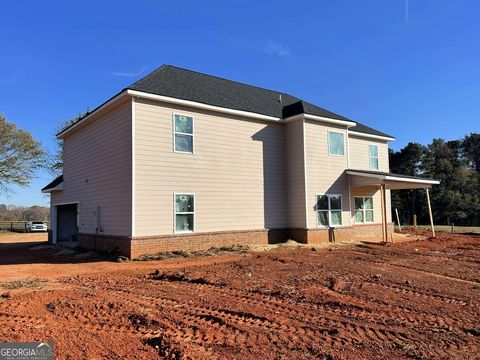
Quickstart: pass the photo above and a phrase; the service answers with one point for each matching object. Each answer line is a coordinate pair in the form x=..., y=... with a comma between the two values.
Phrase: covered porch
x=383, y=181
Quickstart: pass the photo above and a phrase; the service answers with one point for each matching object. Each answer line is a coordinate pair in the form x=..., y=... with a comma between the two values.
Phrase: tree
x=20, y=156
x=407, y=161
x=56, y=160
x=457, y=165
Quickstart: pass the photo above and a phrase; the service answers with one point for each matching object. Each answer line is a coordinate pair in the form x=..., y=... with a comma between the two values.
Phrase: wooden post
x=385, y=223
x=384, y=213
x=384, y=235
x=430, y=212
x=398, y=220
x=415, y=222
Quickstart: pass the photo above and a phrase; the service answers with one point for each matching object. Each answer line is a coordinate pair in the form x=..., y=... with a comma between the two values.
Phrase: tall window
x=336, y=143
x=184, y=212
x=329, y=210
x=373, y=155
x=183, y=133
x=363, y=210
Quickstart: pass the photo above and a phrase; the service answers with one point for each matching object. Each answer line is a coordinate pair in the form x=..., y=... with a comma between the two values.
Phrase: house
x=181, y=160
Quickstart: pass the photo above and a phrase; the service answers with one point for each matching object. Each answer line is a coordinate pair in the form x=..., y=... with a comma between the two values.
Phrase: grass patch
x=30, y=283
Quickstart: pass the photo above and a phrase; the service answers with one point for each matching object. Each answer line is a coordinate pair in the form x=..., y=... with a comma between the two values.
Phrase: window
x=329, y=210
x=184, y=213
x=183, y=133
x=363, y=210
x=373, y=155
x=336, y=143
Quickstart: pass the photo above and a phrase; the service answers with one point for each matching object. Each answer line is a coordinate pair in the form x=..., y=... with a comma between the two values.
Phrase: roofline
x=58, y=187
x=320, y=118
x=394, y=178
x=371, y=136
x=110, y=101
x=198, y=105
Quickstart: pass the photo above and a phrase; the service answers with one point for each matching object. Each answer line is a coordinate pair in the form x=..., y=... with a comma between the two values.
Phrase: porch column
x=430, y=212
x=384, y=213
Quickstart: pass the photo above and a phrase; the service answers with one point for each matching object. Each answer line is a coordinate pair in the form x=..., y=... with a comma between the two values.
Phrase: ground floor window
x=329, y=210
x=184, y=213
x=363, y=209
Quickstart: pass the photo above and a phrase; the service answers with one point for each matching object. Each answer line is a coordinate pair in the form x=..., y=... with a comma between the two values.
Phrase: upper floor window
x=329, y=210
x=183, y=133
x=373, y=156
x=336, y=143
x=184, y=213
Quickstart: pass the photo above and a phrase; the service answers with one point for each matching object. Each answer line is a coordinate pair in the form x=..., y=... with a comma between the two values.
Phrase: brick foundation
x=112, y=243
x=197, y=242
x=137, y=246
x=371, y=232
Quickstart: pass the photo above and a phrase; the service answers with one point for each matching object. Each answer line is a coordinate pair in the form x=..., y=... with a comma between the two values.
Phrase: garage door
x=67, y=227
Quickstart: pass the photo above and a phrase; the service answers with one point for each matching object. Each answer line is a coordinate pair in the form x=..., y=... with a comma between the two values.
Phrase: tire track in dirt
x=330, y=335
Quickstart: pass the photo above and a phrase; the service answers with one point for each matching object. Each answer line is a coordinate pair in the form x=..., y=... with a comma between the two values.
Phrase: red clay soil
x=411, y=300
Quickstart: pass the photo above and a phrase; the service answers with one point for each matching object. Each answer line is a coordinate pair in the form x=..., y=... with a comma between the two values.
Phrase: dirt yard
x=418, y=299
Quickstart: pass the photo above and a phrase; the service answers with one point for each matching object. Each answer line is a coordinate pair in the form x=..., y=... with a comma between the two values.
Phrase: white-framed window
x=363, y=209
x=183, y=133
x=373, y=156
x=329, y=210
x=184, y=208
x=336, y=143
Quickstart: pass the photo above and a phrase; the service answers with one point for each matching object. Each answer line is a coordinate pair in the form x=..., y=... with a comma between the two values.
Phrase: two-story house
x=185, y=161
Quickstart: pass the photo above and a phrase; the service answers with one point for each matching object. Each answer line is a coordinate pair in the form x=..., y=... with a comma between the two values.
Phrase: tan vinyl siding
x=325, y=172
x=236, y=172
x=359, y=160
x=295, y=174
x=97, y=171
x=359, y=153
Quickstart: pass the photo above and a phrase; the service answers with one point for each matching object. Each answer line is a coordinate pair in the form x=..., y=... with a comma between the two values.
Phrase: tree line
x=23, y=213
x=457, y=165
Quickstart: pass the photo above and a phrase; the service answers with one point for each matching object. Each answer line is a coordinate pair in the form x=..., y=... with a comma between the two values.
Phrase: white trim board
x=194, y=104
x=371, y=136
x=394, y=178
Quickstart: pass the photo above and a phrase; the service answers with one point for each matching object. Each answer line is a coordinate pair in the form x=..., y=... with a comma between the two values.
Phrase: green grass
x=31, y=283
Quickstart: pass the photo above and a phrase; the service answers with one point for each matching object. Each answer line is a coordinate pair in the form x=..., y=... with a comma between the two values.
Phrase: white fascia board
x=194, y=104
x=59, y=187
x=371, y=136
x=394, y=178
x=321, y=119
x=101, y=107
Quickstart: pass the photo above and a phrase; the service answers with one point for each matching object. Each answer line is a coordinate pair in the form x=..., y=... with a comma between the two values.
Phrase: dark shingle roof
x=190, y=85
x=54, y=183
x=367, y=130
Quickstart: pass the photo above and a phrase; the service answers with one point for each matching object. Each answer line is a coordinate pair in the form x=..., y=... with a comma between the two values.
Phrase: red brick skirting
x=347, y=233
x=140, y=245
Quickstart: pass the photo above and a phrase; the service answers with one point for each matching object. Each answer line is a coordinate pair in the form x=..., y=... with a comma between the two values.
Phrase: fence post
x=11, y=225
x=415, y=221
x=453, y=227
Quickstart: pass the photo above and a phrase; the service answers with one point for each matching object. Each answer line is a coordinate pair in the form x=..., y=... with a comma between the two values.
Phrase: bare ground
x=416, y=299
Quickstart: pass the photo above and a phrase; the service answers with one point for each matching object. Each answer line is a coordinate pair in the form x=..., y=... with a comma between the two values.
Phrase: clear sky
x=410, y=68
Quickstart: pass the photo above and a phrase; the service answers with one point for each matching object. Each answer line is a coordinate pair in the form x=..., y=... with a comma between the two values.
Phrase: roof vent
x=280, y=98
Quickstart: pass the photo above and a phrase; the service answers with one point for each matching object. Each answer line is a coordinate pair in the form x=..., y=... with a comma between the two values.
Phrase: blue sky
x=409, y=68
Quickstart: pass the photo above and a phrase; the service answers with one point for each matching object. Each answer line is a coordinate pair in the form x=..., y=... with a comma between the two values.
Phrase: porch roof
x=365, y=178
